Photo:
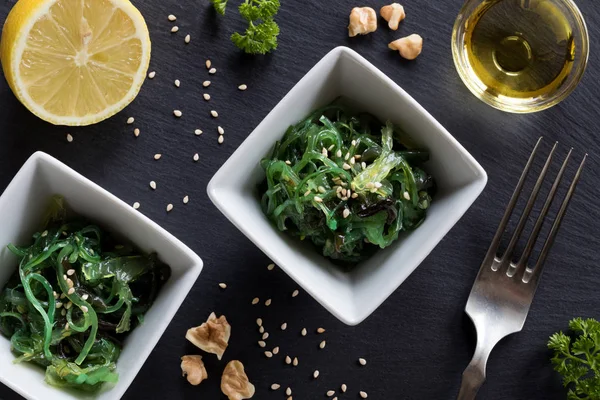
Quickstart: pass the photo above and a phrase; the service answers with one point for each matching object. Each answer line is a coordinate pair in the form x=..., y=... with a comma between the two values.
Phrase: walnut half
x=193, y=367
x=212, y=336
x=363, y=20
x=393, y=14
x=234, y=382
x=409, y=47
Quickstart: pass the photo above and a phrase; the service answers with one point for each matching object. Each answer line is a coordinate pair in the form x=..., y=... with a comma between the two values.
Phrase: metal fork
x=503, y=290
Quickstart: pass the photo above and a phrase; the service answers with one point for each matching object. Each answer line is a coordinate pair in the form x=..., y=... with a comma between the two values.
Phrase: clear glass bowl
x=542, y=99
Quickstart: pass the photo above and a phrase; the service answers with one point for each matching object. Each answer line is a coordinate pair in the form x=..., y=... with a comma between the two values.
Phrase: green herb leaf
x=219, y=6
x=258, y=39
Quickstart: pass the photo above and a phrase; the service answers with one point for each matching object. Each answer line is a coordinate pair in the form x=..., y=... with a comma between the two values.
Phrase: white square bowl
x=22, y=206
x=351, y=296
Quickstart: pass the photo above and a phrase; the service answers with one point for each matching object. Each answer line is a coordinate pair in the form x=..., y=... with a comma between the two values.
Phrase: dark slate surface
x=419, y=341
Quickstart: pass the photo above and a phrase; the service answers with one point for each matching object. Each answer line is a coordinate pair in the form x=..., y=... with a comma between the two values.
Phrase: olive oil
x=518, y=49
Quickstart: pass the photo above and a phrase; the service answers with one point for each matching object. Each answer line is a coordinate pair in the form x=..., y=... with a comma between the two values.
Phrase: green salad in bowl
x=347, y=182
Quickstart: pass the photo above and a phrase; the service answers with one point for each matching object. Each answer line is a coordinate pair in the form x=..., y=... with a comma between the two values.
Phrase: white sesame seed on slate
x=255, y=301
x=268, y=354
x=84, y=309
x=212, y=71
x=152, y=74
x=206, y=83
x=187, y=39
x=157, y=156
x=284, y=326
x=171, y=17
x=196, y=157
x=198, y=132
x=169, y=207
x=330, y=393
x=71, y=291
x=153, y=185
x=275, y=386
x=288, y=391
x=295, y=362
x=220, y=130
x=69, y=137
x=346, y=213
x=220, y=139
x=214, y=114
x=243, y=87
x=268, y=302
x=174, y=29
x=288, y=360
x=177, y=82
x=259, y=321
x=362, y=394
x=206, y=96
x=85, y=297
x=295, y=293
x=130, y=120
x=70, y=272
x=136, y=205
x=344, y=388
x=320, y=330
x=208, y=64
x=335, y=398
x=177, y=113
x=276, y=350
x=322, y=344
x=316, y=374
x=303, y=332
x=136, y=132
x=406, y=196
x=265, y=336
x=262, y=343
x=261, y=329
x=270, y=267
x=362, y=361
x=186, y=199
x=223, y=285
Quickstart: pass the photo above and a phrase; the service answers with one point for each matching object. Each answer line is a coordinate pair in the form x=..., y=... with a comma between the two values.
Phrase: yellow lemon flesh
x=75, y=62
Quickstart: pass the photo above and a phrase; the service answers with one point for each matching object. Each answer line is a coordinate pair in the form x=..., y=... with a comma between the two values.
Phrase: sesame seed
x=322, y=344
x=220, y=139
x=338, y=153
x=69, y=137
x=177, y=113
x=354, y=143
x=59, y=304
x=208, y=64
x=186, y=199
x=364, y=395
x=268, y=302
x=130, y=120
x=346, y=213
x=84, y=309
x=206, y=83
x=223, y=285
x=288, y=391
x=347, y=156
x=243, y=87
x=70, y=292
x=295, y=362
x=288, y=162
x=330, y=393
x=174, y=29
x=295, y=293
x=331, y=147
x=196, y=157
x=352, y=161
x=363, y=165
x=65, y=277
x=67, y=326
x=270, y=267
x=220, y=130
x=177, y=82
x=187, y=39
x=259, y=321
x=344, y=388
x=63, y=312
x=354, y=195
x=169, y=207
x=370, y=185
x=212, y=71
x=70, y=272
x=406, y=196
x=346, y=166
x=261, y=343
x=307, y=192
x=214, y=114
x=85, y=297
x=276, y=350
x=136, y=132
x=275, y=386
x=288, y=360
x=316, y=374
x=265, y=336
x=318, y=199
x=321, y=189
x=70, y=283
x=261, y=329
x=206, y=96
x=303, y=332
x=320, y=330
x=362, y=361
x=153, y=185
x=324, y=152
x=55, y=295
x=268, y=354
x=197, y=132
x=136, y=205
x=255, y=300
x=357, y=156
x=284, y=326
x=171, y=17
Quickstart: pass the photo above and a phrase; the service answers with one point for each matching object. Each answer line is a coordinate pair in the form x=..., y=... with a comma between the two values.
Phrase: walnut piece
x=393, y=14
x=193, y=367
x=212, y=336
x=234, y=382
x=409, y=47
x=363, y=20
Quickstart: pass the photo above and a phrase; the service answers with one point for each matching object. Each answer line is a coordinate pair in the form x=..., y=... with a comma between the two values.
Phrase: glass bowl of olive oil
x=520, y=56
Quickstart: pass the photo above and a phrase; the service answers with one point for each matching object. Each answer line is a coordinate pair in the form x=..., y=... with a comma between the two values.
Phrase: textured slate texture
x=419, y=341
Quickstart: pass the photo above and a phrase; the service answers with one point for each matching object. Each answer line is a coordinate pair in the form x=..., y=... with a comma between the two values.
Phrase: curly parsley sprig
x=578, y=360
x=261, y=35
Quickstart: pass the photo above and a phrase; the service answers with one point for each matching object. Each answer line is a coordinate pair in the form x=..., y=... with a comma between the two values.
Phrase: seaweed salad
x=347, y=182
x=76, y=294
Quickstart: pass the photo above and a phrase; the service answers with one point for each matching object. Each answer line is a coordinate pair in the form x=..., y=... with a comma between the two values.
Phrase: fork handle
x=474, y=375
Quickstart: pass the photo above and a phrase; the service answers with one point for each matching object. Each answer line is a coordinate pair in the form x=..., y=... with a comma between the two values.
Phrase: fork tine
x=507, y=256
x=537, y=270
x=491, y=253
x=540, y=221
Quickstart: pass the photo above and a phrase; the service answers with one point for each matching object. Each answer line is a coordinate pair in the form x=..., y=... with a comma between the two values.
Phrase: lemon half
x=75, y=62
